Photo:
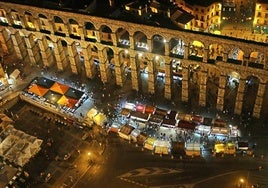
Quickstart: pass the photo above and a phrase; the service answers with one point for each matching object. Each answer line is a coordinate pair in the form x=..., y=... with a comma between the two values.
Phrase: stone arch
x=29, y=19
x=215, y=52
x=176, y=47
x=142, y=61
x=64, y=43
x=95, y=56
x=79, y=51
x=74, y=29
x=194, y=79
x=236, y=56
x=212, y=86
x=196, y=50
x=231, y=88
x=158, y=44
x=250, y=94
x=124, y=60
x=140, y=41
x=58, y=19
x=90, y=30
x=159, y=73
x=106, y=35
x=256, y=59
x=159, y=63
x=42, y=16
x=44, y=24
x=49, y=42
x=123, y=39
x=3, y=16
x=16, y=21
x=109, y=55
x=60, y=28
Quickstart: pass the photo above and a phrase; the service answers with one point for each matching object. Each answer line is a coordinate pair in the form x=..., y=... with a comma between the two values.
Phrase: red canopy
x=149, y=109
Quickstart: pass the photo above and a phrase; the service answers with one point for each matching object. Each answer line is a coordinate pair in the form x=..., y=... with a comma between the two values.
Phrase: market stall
x=125, y=132
x=162, y=147
x=100, y=119
x=149, y=143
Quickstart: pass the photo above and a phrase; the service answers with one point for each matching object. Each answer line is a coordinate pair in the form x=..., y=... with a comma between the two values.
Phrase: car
x=85, y=136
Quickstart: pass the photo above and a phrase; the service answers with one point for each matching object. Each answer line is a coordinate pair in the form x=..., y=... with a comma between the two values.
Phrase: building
x=260, y=23
x=219, y=71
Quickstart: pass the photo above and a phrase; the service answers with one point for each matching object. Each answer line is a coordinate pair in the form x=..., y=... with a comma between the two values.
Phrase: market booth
x=149, y=143
x=134, y=134
x=169, y=123
x=140, y=108
x=219, y=131
x=203, y=129
x=141, y=138
x=115, y=127
x=187, y=125
x=100, y=119
x=162, y=147
x=178, y=148
x=155, y=119
x=149, y=109
x=139, y=116
x=192, y=149
x=125, y=132
x=92, y=112
x=125, y=112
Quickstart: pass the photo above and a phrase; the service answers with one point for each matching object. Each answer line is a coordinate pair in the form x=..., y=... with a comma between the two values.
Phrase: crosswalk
x=150, y=171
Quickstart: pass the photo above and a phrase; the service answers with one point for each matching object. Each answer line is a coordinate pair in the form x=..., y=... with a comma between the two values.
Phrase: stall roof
x=149, y=109
x=172, y=114
x=92, y=112
x=150, y=140
x=130, y=106
x=126, y=129
x=140, y=108
x=38, y=90
x=160, y=111
x=74, y=93
x=139, y=116
x=186, y=125
x=59, y=88
x=197, y=118
x=100, y=119
x=65, y=101
x=162, y=143
x=169, y=122
x=219, y=123
x=154, y=118
x=207, y=121
x=125, y=112
x=44, y=82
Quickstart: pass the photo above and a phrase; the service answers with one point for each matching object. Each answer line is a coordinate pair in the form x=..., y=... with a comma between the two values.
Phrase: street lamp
x=89, y=158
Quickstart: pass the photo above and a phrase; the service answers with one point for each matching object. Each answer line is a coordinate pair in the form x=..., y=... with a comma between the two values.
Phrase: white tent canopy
x=18, y=147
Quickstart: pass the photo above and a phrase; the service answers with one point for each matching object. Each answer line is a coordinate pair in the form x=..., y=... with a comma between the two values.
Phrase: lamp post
x=89, y=158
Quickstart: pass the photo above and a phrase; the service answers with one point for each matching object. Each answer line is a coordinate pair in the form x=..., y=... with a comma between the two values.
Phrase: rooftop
x=204, y=3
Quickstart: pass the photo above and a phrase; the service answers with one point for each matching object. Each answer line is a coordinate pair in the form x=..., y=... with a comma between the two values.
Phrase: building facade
x=191, y=64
